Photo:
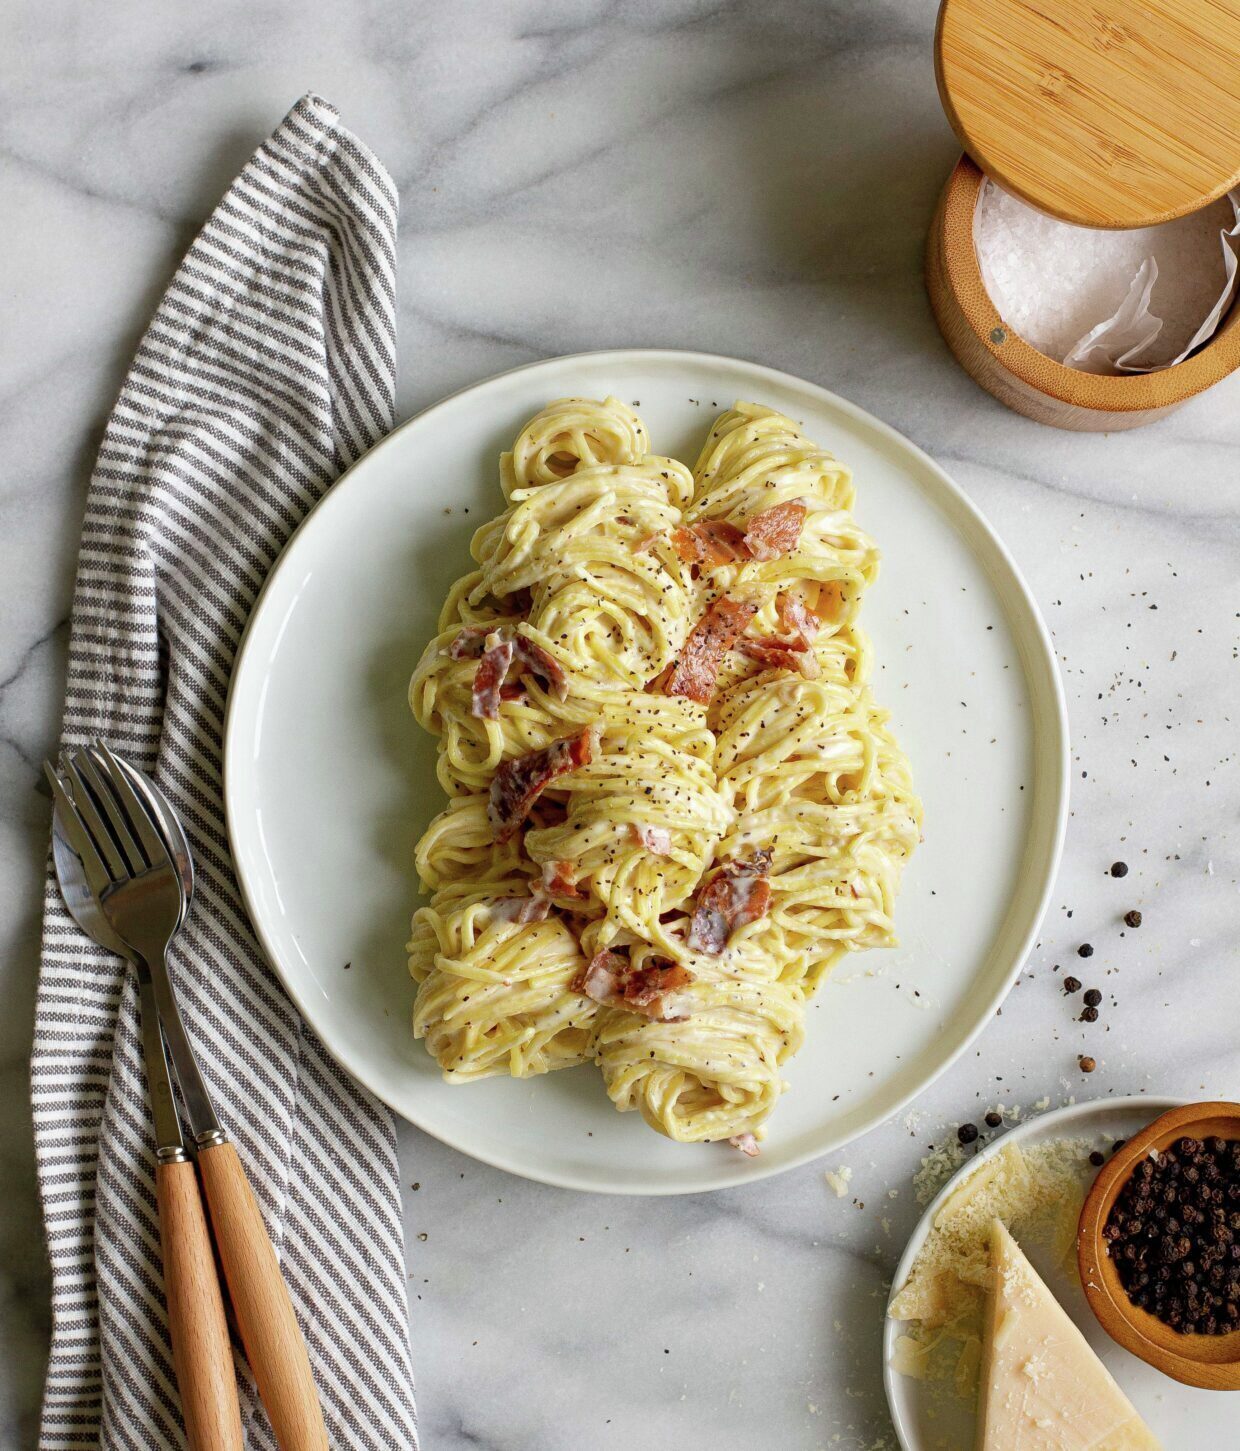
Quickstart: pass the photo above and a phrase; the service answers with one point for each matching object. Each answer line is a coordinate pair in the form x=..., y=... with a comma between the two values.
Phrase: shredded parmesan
x=1036, y=1192
x=839, y=1180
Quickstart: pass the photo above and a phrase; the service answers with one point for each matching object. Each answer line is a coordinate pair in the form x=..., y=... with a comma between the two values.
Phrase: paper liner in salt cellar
x=1032, y=382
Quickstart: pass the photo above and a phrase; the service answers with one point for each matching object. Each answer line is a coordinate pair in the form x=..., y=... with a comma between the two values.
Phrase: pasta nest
x=586, y=583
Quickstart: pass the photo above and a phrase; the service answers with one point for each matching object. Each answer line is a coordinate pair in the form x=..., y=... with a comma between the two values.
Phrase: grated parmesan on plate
x=1037, y=1193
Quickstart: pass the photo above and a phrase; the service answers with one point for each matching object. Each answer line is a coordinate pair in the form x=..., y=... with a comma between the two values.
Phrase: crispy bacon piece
x=543, y=666
x=797, y=618
x=688, y=544
x=777, y=654
x=489, y=676
x=775, y=531
x=644, y=989
x=710, y=541
x=610, y=978
x=694, y=674
x=534, y=908
x=739, y=892
x=747, y=1144
x=600, y=979
x=769, y=534
x=520, y=781
x=469, y=640
x=656, y=839
x=559, y=879
x=497, y=652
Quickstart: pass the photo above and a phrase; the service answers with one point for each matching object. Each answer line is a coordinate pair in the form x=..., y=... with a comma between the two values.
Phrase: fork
x=136, y=886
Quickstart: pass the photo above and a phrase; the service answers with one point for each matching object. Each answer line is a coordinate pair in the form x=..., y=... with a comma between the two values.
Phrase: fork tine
x=77, y=835
x=83, y=763
x=138, y=812
x=154, y=808
x=88, y=814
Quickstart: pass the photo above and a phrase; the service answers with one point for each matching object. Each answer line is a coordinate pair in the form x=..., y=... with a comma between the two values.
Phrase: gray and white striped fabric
x=268, y=368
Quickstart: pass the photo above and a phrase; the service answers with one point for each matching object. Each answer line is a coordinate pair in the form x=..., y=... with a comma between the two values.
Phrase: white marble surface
x=575, y=174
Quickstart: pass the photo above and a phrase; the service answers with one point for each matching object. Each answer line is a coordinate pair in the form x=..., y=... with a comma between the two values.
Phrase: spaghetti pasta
x=674, y=804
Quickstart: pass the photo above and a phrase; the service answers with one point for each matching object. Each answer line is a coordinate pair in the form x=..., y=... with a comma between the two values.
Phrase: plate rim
x=1057, y=722
x=1066, y=1113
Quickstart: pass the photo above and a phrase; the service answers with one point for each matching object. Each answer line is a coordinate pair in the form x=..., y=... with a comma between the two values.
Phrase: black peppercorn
x=993, y=1119
x=1097, y=1159
x=1087, y=1063
x=1085, y=950
x=1174, y=1254
x=966, y=1133
x=1133, y=918
x=1092, y=998
x=1089, y=1015
x=1072, y=984
x=1119, y=869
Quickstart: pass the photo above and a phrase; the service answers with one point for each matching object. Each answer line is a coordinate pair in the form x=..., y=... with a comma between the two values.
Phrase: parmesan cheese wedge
x=1042, y=1387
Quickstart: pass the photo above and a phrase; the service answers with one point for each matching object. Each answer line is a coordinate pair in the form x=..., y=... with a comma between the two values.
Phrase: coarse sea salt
x=1053, y=283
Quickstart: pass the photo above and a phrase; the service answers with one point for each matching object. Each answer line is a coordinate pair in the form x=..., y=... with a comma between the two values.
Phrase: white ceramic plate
x=1178, y=1415
x=329, y=782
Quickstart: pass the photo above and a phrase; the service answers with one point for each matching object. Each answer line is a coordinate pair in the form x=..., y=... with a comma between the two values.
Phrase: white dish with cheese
x=1090, y=1395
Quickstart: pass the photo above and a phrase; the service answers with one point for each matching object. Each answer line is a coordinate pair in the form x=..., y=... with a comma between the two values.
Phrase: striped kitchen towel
x=268, y=368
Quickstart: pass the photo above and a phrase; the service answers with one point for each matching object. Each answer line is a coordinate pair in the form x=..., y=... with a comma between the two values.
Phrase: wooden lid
x=1115, y=113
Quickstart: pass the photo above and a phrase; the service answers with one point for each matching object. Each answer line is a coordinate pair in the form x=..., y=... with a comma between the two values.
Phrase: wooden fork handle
x=269, y=1330
x=200, y=1347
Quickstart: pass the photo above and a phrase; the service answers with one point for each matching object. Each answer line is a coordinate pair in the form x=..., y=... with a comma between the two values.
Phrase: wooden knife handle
x=269, y=1330
x=200, y=1346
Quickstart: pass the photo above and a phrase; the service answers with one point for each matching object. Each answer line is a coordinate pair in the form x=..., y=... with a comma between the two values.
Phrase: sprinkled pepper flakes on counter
x=1174, y=1235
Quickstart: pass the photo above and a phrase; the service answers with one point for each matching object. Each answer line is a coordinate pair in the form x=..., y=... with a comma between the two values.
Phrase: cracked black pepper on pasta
x=649, y=696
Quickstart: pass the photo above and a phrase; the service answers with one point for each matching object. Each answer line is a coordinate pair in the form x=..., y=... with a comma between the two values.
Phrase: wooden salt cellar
x=1120, y=113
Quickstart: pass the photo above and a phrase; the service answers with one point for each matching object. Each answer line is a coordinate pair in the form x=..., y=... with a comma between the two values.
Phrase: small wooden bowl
x=1209, y=1361
x=1014, y=371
